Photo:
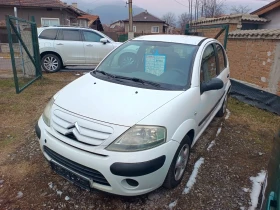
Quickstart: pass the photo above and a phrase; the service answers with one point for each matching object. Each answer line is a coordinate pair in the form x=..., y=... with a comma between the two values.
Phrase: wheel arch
x=51, y=52
x=187, y=128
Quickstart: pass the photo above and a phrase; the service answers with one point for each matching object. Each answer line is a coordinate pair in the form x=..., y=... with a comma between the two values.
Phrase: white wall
x=274, y=17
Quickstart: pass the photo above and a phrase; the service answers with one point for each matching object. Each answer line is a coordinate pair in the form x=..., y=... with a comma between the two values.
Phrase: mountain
x=108, y=10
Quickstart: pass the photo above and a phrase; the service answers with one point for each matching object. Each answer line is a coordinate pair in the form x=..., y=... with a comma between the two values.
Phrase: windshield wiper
x=104, y=73
x=138, y=80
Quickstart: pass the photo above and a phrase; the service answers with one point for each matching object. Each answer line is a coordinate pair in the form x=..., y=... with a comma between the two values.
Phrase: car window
x=208, y=68
x=69, y=35
x=168, y=64
x=221, y=57
x=91, y=36
x=48, y=34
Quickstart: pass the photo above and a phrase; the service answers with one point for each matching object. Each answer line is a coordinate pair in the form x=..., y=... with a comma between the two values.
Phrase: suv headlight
x=47, y=112
x=139, y=138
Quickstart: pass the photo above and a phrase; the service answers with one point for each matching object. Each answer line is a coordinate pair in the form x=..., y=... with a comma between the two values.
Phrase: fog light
x=132, y=182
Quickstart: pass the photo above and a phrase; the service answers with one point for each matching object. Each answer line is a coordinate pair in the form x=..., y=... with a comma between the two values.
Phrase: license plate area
x=71, y=176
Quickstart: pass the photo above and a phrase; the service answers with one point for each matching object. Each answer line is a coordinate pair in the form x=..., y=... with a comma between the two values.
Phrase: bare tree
x=170, y=18
x=183, y=19
x=240, y=9
x=212, y=8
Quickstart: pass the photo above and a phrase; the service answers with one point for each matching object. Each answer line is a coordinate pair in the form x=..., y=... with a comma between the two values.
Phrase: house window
x=155, y=29
x=83, y=23
x=50, y=22
x=134, y=28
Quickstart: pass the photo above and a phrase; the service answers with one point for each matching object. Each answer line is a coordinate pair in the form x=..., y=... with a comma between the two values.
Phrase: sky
x=161, y=7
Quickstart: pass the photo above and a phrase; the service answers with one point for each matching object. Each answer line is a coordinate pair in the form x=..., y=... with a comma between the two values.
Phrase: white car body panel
x=109, y=109
x=108, y=101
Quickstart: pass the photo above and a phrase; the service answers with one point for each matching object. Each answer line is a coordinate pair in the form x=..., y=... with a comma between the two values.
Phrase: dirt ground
x=242, y=147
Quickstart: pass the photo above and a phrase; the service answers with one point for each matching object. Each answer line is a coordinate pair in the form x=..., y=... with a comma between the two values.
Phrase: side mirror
x=103, y=40
x=213, y=84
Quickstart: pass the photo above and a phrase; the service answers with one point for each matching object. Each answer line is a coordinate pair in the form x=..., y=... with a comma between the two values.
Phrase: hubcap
x=50, y=63
x=181, y=162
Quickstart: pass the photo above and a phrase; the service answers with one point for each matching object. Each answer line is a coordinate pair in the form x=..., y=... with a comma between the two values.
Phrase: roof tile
x=259, y=34
x=145, y=17
x=33, y=3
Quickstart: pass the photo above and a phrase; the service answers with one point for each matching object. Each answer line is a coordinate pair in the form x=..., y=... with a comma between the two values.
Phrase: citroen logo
x=78, y=127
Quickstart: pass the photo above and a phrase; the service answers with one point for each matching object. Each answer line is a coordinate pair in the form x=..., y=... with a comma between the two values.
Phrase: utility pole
x=130, y=28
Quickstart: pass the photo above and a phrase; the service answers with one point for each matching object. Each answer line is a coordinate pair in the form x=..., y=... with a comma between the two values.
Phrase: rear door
x=70, y=47
x=95, y=51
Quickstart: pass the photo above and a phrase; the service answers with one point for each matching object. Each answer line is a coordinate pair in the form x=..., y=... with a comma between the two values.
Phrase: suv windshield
x=149, y=64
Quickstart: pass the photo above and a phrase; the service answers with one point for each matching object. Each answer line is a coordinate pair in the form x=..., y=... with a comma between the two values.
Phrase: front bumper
x=148, y=168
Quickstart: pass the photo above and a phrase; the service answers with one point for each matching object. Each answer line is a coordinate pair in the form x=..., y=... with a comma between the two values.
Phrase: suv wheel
x=178, y=165
x=51, y=63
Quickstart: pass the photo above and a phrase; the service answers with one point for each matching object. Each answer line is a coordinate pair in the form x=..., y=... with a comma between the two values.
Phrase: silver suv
x=71, y=46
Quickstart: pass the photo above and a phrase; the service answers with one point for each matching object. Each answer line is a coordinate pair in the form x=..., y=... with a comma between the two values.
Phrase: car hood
x=109, y=102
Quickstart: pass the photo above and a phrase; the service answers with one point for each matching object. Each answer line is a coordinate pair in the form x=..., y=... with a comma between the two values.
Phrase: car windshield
x=149, y=64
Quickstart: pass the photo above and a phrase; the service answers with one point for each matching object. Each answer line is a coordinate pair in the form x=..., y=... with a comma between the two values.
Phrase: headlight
x=139, y=138
x=47, y=112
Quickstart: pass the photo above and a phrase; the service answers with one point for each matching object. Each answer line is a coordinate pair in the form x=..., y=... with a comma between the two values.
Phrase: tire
x=223, y=109
x=51, y=63
x=126, y=59
x=175, y=174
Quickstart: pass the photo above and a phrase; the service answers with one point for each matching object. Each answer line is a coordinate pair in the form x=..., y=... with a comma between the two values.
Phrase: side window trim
x=218, y=71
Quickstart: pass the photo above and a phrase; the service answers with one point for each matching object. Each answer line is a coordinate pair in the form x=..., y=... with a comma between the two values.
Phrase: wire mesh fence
x=24, y=52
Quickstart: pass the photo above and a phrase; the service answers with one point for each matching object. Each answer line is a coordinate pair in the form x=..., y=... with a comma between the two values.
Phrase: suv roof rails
x=67, y=26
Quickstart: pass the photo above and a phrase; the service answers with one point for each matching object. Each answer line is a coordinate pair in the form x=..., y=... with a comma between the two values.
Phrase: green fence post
x=12, y=53
x=36, y=47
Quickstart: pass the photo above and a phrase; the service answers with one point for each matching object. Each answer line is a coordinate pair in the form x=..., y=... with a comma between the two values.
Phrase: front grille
x=90, y=173
x=81, y=130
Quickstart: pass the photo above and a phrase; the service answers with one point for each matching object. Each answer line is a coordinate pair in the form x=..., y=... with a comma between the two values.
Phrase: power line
x=181, y=3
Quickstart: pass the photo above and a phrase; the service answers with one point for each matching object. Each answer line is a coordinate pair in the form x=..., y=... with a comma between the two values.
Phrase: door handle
x=89, y=45
x=59, y=44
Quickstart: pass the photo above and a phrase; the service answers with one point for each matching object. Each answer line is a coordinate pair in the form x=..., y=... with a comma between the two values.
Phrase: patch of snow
x=242, y=208
x=210, y=145
x=192, y=179
x=260, y=153
x=59, y=192
x=218, y=131
x=172, y=205
x=246, y=189
x=77, y=74
x=50, y=185
x=256, y=189
x=19, y=194
x=67, y=198
x=228, y=114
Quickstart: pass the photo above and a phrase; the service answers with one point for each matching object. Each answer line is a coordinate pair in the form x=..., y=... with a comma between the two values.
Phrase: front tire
x=51, y=63
x=178, y=166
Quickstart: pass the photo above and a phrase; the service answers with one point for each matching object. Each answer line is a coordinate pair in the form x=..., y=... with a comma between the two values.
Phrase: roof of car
x=64, y=27
x=182, y=39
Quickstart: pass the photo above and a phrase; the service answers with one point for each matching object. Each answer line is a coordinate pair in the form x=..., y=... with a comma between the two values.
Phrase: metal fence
x=23, y=51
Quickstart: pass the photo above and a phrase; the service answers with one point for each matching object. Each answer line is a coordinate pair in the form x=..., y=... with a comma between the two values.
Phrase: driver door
x=209, y=99
x=95, y=51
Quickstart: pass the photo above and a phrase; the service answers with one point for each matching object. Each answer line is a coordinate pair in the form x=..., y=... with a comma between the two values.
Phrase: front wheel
x=178, y=165
x=51, y=63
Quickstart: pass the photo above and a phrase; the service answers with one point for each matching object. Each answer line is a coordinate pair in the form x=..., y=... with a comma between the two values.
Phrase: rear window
x=48, y=34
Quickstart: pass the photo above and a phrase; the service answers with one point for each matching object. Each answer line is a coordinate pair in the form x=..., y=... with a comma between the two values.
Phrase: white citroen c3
x=127, y=127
